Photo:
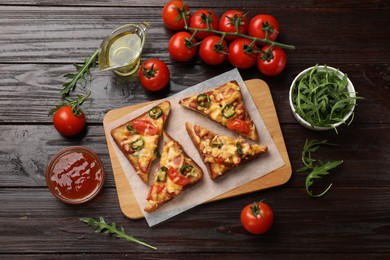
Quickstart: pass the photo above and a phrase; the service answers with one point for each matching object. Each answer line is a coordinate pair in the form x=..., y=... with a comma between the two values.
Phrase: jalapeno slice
x=162, y=174
x=155, y=112
x=217, y=145
x=228, y=111
x=138, y=144
x=239, y=149
x=186, y=169
x=203, y=100
x=130, y=128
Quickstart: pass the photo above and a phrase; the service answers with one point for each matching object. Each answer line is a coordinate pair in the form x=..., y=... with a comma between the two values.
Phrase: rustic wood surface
x=40, y=40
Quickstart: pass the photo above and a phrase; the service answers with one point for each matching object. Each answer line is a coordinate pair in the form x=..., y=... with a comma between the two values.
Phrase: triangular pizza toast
x=222, y=153
x=176, y=172
x=224, y=105
x=138, y=138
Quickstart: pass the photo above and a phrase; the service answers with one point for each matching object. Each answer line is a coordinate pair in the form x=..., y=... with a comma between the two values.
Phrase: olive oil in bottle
x=121, y=50
x=124, y=49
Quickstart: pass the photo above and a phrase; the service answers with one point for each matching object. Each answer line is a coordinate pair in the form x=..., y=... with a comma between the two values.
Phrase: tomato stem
x=75, y=104
x=266, y=40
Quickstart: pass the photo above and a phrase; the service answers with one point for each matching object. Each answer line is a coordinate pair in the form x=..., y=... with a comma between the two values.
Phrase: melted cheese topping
x=219, y=98
x=223, y=149
x=169, y=153
x=171, y=157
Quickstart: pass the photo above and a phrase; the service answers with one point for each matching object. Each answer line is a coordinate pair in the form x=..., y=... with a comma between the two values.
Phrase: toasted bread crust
x=131, y=159
x=216, y=170
x=193, y=179
x=193, y=136
x=117, y=133
x=253, y=135
x=154, y=205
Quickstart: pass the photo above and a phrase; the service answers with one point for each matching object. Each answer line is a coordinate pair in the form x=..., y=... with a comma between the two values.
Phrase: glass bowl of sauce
x=75, y=175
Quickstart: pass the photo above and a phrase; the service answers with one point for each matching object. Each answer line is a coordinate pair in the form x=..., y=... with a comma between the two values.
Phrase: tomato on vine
x=172, y=15
x=271, y=62
x=262, y=24
x=242, y=53
x=202, y=19
x=213, y=50
x=181, y=47
x=154, y=74
x=228, y=23
x=257, y=218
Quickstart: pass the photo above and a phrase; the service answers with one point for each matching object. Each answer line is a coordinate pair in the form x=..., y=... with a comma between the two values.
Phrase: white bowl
x=302, y=121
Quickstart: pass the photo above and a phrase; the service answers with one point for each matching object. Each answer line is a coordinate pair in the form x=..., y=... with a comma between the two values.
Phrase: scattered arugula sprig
x=103, y=227
x=83, y=72
x=318, y=168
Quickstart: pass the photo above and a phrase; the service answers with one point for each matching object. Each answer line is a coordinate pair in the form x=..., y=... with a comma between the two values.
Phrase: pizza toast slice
x=176, y=172
x=222, y=153
x=139, y=137
x=224, y=105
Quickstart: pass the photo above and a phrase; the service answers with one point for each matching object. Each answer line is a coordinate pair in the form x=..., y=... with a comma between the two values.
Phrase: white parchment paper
x=175, y=126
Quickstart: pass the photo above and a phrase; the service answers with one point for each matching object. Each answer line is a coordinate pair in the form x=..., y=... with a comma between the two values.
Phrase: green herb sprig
x=103, y=227
x=322, y=98
x=83, y=72
x=318, y=168
x=74, y=103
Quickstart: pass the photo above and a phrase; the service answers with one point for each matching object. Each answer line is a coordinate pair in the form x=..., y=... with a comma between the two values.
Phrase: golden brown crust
x=119, y=134
x=217, y=169
x=193, y=136
x=242, y=113
x=193, y=179
x=131, y=159
x=164, y=197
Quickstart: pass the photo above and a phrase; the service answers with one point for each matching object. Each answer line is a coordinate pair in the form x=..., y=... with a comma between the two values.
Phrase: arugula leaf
x=322, y=98
x=83, y=72
x=317, y=173
x=318, y=168
x=103, y=227
x=309, y=147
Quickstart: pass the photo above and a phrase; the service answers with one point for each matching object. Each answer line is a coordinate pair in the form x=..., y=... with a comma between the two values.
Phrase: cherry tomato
x=154, y=74
x=177, y=177
x=271, y=63
x=238, y=125
x=228, y=21
x=257, y=218
x=143, y=126
x=67, y=123
x=262, y=22
x=171, y=16
x=212, y=51
x=200, y=19
x=238, y=56
x=179, y=48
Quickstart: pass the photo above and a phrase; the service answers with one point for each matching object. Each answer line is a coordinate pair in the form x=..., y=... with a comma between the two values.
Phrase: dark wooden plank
x=26, y=150
x=352, y=220
x=192, y=256
x=203, y=4
x=70, y=34
x=37, y=87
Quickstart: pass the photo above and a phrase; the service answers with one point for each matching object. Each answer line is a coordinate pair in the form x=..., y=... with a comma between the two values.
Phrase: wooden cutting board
x=261, y=96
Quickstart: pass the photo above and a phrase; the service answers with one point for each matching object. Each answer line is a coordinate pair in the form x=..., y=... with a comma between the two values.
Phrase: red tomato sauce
x=75, y=175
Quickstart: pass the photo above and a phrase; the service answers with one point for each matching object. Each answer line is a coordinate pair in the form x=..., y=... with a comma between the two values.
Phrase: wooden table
x=40, y=40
